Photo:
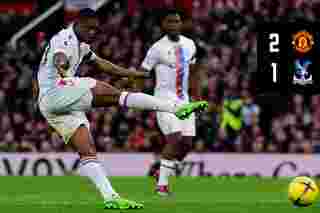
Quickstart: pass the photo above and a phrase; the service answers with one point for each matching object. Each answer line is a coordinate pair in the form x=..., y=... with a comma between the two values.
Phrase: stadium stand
x=224, y=31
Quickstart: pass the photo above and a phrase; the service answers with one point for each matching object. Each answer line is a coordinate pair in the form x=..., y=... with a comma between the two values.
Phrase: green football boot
x=120, y=203
x=186, y=110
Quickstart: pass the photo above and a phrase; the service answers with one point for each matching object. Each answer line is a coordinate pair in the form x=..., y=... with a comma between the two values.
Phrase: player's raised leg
x=106, y=95
x=91, y=167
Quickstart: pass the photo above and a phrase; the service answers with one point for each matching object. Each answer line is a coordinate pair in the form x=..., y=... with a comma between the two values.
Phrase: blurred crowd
x=225, y=33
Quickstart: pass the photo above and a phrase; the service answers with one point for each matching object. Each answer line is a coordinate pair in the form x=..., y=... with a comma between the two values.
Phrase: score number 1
x=274, y=72
x=273, y=48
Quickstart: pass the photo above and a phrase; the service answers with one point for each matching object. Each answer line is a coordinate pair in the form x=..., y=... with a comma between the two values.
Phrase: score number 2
x=274, y=42
x=273, y=48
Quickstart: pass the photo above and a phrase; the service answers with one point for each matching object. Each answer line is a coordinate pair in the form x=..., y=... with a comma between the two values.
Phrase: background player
x=173, y=59
x=64, y=98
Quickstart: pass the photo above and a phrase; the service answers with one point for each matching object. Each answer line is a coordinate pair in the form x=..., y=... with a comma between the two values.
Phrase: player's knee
x=105, y=95
x=105, y=89
x=169, y=154
x=184, y=148
x=171, y=149
x=83, y=142
x=174, y=139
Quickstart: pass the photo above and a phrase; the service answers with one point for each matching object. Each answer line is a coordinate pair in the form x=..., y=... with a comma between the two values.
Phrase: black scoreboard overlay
x=288, y=58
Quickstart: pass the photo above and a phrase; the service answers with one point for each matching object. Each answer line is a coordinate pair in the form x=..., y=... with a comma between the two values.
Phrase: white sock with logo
x=167, y=168
x=96, y=173
x=147, y=102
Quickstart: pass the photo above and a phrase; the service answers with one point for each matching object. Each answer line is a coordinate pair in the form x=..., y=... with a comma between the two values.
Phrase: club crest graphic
x=302, y=72
x=303, y=41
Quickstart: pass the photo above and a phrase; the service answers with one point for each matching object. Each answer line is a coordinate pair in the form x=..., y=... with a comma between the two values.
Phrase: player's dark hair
x=167, y=12
x=87, y=13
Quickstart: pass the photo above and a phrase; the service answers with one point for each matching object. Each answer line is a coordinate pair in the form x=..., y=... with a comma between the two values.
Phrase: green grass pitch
x=72, y=194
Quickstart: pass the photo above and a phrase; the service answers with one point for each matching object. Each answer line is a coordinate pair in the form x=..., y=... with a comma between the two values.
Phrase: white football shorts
x=65, y=106
x=169, y=123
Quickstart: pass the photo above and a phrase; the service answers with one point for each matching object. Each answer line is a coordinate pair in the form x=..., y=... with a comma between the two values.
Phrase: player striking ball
x=64, y=98
x=173, y=59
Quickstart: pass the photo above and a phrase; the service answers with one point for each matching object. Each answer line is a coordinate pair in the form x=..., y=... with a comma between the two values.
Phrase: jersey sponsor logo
x=65, y=82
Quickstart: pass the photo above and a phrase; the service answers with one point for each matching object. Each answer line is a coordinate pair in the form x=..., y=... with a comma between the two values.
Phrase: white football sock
x=180, y=168
x=148, y=102
x=178, y=164
x=167, y=168
x=96, y=173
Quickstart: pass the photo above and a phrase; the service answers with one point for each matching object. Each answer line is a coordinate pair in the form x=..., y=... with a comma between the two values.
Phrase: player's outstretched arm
x=138, y=83
x=114, y=69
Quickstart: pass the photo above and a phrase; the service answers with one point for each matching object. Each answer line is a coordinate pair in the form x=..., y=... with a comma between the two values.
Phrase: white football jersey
x=171, y=61
x=66, y=42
